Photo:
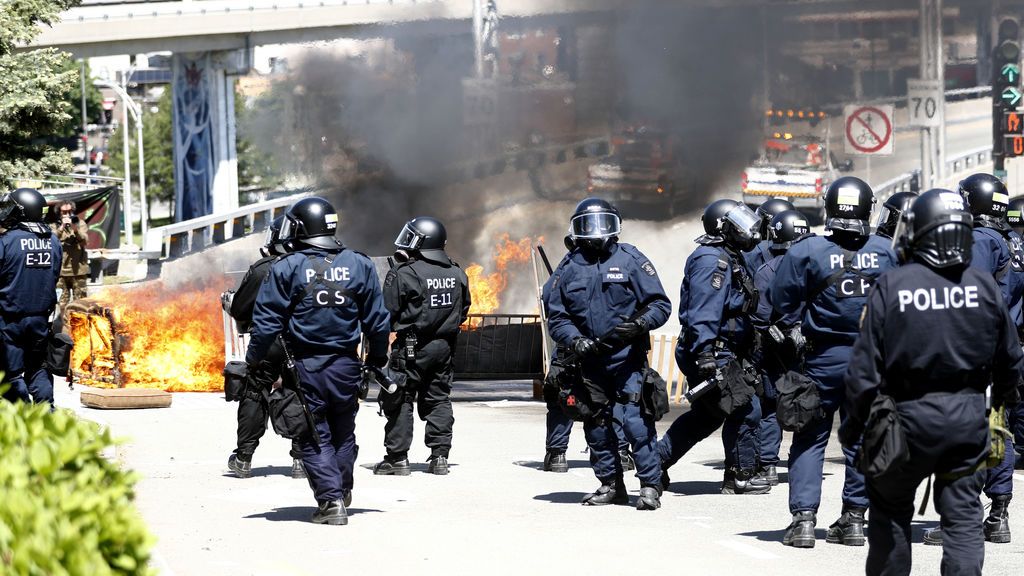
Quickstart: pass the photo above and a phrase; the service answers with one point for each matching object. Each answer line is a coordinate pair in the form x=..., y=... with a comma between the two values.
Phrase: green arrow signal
x=1011, y=96
x=1011, y=72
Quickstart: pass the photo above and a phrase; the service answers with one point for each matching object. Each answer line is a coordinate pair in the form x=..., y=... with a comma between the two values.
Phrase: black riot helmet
x=423, y=234
x=848, y=205
x=741, y=228
x=1015, y=214
x=936, y=230
x=272, y=243
x=889, y=215
x=769, y=209
x=786, y=227
x=311, y=221
x=24, y=207
x=987, y=199
x=595, y=224
x=714, y=216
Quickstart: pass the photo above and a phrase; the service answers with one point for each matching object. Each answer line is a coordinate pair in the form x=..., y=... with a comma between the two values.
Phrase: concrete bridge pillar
x=205, y=157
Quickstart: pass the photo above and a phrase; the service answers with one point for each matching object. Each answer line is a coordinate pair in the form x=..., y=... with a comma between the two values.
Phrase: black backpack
x=798, y=401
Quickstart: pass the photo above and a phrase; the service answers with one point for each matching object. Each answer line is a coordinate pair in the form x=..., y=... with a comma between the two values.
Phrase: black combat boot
x=626, y=458
x=744, y=482
x=997, y=525
x=332, y=512
x=849, y=529
x=665, y=480
x=769, y=474
x=346, y=498
x=392, y=467
x=298, y=469
x=438, y=465
x=650, y=498
x=800, y=533
x=241, y=468
x=933, y=537
x=555, y=462
x=611, y=491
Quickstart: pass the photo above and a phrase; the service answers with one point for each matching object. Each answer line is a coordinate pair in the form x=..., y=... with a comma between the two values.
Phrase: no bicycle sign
x=868, y=130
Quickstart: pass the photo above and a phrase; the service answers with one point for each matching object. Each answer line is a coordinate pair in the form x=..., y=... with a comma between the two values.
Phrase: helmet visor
x=287, y=229
x=408, y=239
x=595, y=225
x=7, y=206
x=745, y=221
x=270, y=237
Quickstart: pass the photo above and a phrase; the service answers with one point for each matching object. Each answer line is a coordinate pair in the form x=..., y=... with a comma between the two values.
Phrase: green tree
x=34, y=85
x=159, y=149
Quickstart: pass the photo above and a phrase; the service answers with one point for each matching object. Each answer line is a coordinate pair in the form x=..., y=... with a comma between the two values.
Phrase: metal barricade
x=500, y=347
x=235, y=342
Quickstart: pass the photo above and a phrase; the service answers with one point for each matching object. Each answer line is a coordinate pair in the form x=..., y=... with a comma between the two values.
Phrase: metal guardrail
x=193, y=235
x=969, y=161
x=951, y=95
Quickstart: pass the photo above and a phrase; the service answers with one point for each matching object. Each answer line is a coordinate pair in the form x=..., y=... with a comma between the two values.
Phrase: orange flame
x=171, y=339
x=486, y=289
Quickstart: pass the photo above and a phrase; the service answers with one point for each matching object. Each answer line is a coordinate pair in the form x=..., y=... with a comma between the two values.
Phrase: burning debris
x=150, y=337
x=486, y=289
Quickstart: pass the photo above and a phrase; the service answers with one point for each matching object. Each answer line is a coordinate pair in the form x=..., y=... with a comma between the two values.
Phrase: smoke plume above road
x=379, y=130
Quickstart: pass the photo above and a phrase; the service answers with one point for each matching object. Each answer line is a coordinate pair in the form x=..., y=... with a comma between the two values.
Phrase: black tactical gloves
x=583, y=347
x=706, y=366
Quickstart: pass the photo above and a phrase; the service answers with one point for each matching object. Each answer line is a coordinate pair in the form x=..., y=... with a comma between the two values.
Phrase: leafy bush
x=64, y=508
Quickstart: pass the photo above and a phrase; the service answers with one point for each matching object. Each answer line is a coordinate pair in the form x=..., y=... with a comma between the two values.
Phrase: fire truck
x=643, y=173
x=794, y=168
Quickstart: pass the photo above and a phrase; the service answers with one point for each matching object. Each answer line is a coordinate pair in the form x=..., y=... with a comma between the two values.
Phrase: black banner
x=100, y=208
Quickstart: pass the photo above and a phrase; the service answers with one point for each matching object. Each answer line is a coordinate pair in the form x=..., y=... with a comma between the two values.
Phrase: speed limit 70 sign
x=924, y=98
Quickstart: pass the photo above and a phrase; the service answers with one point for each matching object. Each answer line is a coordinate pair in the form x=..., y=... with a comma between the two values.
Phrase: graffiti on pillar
x=193, y=136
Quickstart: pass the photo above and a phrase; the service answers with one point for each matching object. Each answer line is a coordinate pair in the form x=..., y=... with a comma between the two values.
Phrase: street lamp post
x=136, y=111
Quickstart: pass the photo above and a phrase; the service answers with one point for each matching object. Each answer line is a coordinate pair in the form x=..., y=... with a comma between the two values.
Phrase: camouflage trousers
x=72, y=288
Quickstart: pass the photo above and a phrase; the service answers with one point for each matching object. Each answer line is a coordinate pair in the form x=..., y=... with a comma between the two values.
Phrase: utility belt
x=819, y=344
x=628, y=397
x=962, y=385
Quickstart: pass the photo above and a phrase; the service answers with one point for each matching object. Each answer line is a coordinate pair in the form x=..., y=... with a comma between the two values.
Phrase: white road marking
x=747, y=549
x=1018, y=477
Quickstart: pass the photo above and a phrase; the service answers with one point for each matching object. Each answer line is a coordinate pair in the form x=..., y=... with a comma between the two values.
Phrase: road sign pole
x=940, y=75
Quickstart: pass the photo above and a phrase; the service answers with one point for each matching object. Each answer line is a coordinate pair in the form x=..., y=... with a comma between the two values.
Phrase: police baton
x=373, y=373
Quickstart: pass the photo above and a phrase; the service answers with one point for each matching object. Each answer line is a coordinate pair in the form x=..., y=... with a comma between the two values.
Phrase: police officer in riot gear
x=890, y=212
x=601, y=303
x=253, y=410
x=428, y=297
x=826, y=280
x=1015, y=217
x=716, y=297
x=761, y=253
x=30, y=258
x=938, y=383
x=322, y=299
x=994, y=251
x=558, y=428
x=778, y=349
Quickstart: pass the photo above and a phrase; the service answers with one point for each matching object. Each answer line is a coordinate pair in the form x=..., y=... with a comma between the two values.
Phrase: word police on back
x=939, y=299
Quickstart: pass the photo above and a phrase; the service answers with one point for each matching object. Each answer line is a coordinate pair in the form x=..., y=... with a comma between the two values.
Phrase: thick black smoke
x=379, y=136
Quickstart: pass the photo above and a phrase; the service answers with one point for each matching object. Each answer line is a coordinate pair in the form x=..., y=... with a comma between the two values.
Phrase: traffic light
x=1007, y=63
x=1008, y=137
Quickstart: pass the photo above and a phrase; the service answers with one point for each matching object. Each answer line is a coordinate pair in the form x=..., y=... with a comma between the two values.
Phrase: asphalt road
x=495, y=513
